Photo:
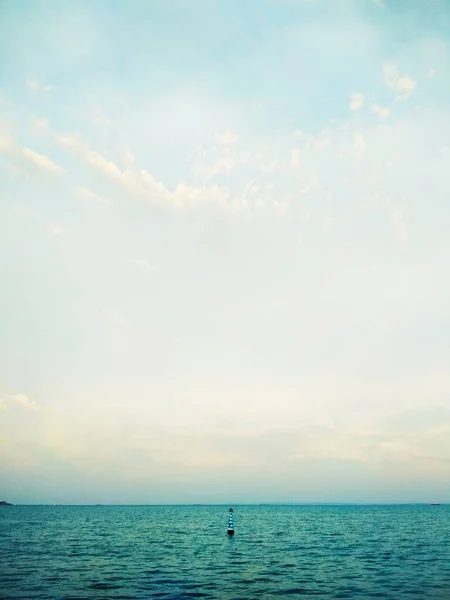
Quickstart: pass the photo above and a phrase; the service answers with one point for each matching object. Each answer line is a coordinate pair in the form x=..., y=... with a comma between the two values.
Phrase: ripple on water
x=360, y=553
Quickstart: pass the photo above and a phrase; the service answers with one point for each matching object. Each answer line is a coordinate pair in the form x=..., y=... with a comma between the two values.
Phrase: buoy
x=230, y=529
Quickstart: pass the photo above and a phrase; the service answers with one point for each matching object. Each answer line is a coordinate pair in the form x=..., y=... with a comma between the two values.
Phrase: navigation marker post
x=230, y=529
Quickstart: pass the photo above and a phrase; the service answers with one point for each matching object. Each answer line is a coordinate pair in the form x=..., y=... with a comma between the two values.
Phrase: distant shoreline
x=242, y=504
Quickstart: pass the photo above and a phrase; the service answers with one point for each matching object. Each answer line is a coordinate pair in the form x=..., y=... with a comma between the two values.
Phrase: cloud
x=142, y=184
x=56, y=230
x=227, y=138
x=404, y=85
x=144, y=265
x=398, y=223
x=383, y=113
x=356, y=101
x=69, y=139
x=87, y=194
x=101, y=120
x=312, y=185
x=40, y=160
x=106, y=166
x=397, y=220
x=6, y=143
x=35, y=86
x=224, y=164
x=295, y=157
x=431, y=73
x=359, y=144
x=10, y=147
x=379, y=3
x=41, y=123
x=24, y=401
x=322, y=143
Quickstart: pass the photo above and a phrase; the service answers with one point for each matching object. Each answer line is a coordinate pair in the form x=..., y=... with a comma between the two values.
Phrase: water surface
x=112, y=552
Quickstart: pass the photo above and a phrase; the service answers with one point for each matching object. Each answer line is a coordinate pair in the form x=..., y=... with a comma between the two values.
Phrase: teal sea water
x=112, y=552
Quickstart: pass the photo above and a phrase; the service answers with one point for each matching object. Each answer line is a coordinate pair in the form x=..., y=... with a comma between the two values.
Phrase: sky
x=224, y=251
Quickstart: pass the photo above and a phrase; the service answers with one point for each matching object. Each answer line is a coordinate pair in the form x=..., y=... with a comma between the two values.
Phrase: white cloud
x=41, y=123
x=312, y=185
x=383, y=113
x=106, y=166
x=6, y=143
x=379, y=3
x=35, y=86
x=322, y=143
x=128, y=159
x=431, y=73
x=144, y=265
x=398, y=223
x=404, y=85
x=101, y=120
x=24, y=401
x=3, y=405
x=40, y=160
x=295, y=157
x=87, y=194
x=185, y=196
x=356, y=101
x=396, y=217
x=223, y=165
x=359, y=144
x=227, y=138
x=143, y=185
x=68, y=139
x=56, y=230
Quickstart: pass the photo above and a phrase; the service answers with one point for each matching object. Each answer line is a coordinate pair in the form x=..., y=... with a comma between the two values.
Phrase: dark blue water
x=113, y=552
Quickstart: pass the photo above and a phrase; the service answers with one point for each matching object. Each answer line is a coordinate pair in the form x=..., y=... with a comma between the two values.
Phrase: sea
x=180, y=552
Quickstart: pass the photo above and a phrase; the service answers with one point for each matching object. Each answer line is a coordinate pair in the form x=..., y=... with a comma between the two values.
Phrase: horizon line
x=422, y=503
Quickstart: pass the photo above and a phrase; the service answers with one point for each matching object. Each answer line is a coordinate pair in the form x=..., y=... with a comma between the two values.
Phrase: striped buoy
x=230, y=529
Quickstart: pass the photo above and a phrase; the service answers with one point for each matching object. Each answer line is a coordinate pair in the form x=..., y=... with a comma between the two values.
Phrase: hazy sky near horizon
x=224, y=251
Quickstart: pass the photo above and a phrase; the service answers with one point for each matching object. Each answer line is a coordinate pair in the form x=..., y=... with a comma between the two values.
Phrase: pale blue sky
x=224, y=251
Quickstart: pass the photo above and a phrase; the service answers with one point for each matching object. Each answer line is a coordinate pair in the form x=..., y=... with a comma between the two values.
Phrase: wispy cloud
x=101, y=120
x=383, y=113
x=356, y=101
x=56, y=230
x=327, y=225
x=18, y=154
x=35, y=86
x=40, y=160
x=24, y=401
x=42, y=123
x=397, y=221
x=404, y=85
x=87, y=194
x=295, y=157
x=143, y=185
x=144, y=265
x=359, y=144
x=227, y=138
